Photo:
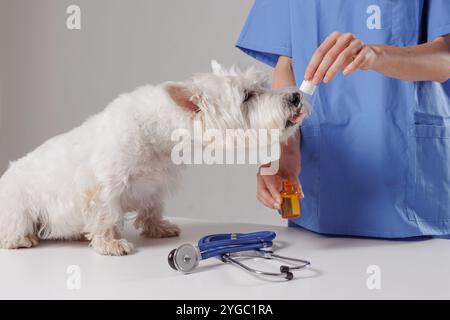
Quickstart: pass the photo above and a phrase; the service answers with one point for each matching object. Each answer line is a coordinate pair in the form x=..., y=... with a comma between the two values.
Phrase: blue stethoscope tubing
x=231, y=246
x=218, y=244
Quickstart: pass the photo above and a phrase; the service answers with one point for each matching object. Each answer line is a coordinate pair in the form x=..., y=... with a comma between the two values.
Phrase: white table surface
x=409, y=269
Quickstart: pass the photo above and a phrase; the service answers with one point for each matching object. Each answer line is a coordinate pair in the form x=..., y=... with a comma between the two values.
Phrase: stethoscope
x=229, y=247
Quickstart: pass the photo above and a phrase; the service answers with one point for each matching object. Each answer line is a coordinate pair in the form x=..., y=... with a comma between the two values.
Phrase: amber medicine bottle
x=290, y=203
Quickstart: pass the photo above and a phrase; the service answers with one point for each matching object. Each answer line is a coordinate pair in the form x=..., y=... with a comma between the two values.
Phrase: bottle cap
x=289, y=186
x=307, y=87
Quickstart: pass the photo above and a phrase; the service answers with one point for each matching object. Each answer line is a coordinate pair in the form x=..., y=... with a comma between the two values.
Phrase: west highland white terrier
x=82, y=183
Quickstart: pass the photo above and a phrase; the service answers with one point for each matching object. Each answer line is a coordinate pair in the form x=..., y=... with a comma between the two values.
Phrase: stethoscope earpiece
x=284, y=269
x=289, y=275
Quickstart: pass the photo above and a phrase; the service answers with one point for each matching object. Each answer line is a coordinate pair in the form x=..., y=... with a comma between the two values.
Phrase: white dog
x=82, y=183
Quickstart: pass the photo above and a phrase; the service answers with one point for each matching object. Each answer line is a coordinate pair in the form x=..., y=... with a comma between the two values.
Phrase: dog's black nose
x=294, y=99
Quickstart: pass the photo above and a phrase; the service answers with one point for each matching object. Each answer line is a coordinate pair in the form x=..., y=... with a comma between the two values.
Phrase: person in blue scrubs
x=375, y=151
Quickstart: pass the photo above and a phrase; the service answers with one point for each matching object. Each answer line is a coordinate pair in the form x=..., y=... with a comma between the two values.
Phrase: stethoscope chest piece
x=185, y=258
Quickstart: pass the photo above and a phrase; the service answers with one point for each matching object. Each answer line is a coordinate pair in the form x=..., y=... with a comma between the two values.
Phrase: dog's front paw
x=24, y=242
x=164, y=229
x=111, y=247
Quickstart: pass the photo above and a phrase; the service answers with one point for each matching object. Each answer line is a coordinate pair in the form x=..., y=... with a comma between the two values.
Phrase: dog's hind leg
x=152, y=224
x=17, y=228
x=18, y=214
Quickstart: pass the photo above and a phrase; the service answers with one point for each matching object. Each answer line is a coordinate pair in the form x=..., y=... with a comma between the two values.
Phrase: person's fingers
x=319, y=54
x=357, y=63
x=302, y=195
x=263, y=194
x=331, y=56
x=344, y=59
x=265, y=200
x=274, y=184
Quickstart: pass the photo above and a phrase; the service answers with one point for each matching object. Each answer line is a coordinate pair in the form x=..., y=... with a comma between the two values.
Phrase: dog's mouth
x=297, y=117
x=297, y=112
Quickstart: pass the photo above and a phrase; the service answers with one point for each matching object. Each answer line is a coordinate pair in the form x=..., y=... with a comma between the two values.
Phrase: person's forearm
x=426, y=62
x=283, y=77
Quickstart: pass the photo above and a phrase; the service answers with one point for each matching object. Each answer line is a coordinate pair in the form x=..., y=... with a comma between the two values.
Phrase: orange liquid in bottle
x=290, y=205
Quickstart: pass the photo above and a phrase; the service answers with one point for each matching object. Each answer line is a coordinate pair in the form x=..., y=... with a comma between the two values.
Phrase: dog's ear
x=217, y=69
x=183, y=97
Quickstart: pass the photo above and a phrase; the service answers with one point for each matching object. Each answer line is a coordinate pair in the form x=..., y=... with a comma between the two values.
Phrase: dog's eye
x=247, y=95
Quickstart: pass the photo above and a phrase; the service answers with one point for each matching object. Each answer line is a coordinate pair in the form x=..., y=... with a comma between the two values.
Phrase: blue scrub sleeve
x=438, y=18
x=267, y=33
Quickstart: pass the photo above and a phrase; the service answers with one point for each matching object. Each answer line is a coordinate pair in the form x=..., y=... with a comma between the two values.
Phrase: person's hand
x=268, y=187
x=340, y=52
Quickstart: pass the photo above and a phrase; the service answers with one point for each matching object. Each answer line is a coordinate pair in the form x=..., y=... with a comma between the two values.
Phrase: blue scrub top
x=375, y=151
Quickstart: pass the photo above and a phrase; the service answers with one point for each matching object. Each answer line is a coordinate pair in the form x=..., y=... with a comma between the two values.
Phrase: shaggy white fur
x=81, y=183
